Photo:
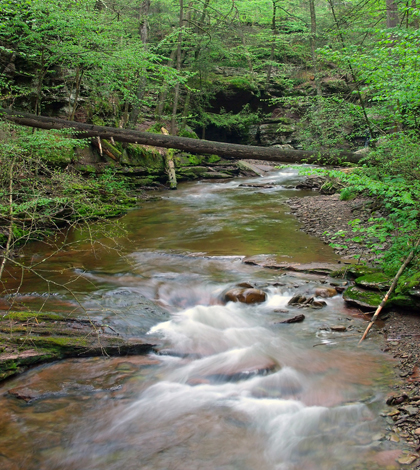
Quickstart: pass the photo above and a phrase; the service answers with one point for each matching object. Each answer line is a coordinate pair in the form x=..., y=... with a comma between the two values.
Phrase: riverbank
x=323, y=216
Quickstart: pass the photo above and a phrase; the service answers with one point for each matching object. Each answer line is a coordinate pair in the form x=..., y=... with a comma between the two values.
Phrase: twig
x=393, y=285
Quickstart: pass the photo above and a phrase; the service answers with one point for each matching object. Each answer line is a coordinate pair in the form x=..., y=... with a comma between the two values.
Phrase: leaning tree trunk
x=82, y=130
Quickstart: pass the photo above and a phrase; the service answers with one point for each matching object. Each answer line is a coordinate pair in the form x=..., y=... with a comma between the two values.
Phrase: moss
x=148, y=181
x=148, y=158
x=376, y=281
x=354, y=271
x=213, y=159
x=59, y=344
x=85, y=168
x=186, y=159
x=191, y=173
x=408, y=283
x=400, y=300
x=25, y=316
x=362, y=298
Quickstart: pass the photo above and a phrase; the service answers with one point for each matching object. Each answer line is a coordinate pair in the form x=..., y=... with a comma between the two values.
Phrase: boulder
x=362, y=298
x=325, y=292
x=376, y=281
x=302, y=301
x=245, y=295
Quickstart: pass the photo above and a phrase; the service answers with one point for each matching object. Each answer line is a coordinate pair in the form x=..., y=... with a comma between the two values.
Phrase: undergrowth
x=40, y=192
x=390, y=176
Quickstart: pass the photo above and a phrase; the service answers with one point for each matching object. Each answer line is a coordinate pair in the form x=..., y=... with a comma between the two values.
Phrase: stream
x=229, y=386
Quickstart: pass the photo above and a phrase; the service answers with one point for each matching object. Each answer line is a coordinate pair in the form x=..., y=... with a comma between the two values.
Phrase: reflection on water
x=231, y=387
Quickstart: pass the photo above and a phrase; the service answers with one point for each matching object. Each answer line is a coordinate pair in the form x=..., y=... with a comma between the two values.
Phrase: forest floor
x=325, y=215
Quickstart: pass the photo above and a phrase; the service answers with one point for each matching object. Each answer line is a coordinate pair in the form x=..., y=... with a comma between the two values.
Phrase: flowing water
x=231, y=387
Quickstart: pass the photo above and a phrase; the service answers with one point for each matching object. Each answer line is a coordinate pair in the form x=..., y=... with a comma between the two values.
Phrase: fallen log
x=234, y=151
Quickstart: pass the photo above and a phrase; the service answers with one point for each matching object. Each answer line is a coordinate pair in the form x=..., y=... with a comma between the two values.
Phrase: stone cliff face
x=240, y=93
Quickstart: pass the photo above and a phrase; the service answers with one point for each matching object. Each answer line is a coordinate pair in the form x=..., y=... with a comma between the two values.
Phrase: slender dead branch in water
x=393, y=285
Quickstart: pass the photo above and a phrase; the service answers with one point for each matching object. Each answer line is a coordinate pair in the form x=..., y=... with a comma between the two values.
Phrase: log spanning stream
x=229, y=387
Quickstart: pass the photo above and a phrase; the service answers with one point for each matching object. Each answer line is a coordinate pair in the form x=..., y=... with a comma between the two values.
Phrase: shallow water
x=231, y=387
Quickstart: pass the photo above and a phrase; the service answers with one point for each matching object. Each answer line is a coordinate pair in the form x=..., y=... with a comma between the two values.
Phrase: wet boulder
x=296, y=319
x=245, y=295
x=325, y=292
x=301, y=301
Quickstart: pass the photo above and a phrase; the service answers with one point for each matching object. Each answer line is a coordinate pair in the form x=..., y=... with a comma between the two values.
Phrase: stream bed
x=229, y=386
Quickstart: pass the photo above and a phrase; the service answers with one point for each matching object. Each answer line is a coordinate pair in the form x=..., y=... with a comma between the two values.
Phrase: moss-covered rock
x=375, y=281
x=372, y=298
x=354, y=271
x=144, y=156
x=409, y=284
x=362, y=298
x=30, y=338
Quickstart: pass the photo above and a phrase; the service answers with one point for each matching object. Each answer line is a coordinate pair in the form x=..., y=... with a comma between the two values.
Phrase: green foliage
x=331, y=123
x=390, y=177
x=37, y=196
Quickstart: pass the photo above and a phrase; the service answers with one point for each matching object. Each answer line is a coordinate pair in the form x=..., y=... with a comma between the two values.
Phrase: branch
x=391, y=289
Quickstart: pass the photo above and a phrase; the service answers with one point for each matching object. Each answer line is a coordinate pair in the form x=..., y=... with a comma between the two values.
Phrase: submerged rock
x=296, y=319
x=245, y=295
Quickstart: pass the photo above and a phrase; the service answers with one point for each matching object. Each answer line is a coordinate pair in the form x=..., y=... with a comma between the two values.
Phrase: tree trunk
x=273, y=45
x=178, y=65
x=141, y=86
x=313, y=47
x=83, y=130
x=391, y=13
x=415, y=17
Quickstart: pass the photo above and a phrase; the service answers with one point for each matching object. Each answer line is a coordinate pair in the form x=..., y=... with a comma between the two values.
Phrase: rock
x=394, y=438
x=215, y=175
x=411, y=410
x=312, y=268
x=251, y=185
x=362, y=298
x=246, y=285
x=396, y=400
x=325, y=292
x=297, y=319
x=281, y=310
x=24, y=393
x=407, y=459
x=377, y=281
x=249, y=167
x=354, y=271
x=297, y=299
x=244, y=295
x=302, y=301
x=312, y=182
x=417, y=432
x=339, y=328
x=34, y=338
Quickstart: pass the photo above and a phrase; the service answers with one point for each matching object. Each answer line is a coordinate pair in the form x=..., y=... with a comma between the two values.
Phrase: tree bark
x=313, y=47
x=141, y=86
x=178, y=66
x=391, y=13
x=273, y=45
x=235, y=151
